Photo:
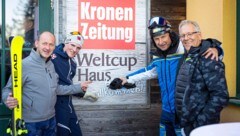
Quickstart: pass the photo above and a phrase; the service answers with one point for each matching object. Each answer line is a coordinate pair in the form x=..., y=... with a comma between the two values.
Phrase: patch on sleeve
x=53, y=56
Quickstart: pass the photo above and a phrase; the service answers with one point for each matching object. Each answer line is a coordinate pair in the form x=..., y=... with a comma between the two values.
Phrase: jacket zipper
x=49, y=83
x=167, y=86
x=70, y=68
x=68, y=77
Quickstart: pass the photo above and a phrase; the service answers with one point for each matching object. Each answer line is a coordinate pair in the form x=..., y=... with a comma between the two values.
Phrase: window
x=18, y=18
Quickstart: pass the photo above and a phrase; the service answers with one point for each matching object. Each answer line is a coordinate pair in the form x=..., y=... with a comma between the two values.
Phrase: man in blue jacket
x=164, y=66
x=65, y=66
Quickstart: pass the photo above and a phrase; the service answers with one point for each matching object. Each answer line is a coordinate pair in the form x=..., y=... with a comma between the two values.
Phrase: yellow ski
x=17, y=126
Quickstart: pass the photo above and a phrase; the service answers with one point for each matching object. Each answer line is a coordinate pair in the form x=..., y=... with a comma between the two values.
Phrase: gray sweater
x=40, y=88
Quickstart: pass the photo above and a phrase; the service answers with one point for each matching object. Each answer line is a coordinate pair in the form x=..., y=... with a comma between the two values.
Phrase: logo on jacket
x=53, y=56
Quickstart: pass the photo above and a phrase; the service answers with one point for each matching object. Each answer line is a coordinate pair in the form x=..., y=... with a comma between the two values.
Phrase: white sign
x=115, y=45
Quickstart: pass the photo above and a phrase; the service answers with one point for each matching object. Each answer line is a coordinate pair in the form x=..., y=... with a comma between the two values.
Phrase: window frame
x=46, y=23
x=238, y=51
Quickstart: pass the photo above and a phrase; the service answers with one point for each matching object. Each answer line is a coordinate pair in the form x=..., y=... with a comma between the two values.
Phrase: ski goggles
x=160, y=30
x=75, y=33
x=158, y=22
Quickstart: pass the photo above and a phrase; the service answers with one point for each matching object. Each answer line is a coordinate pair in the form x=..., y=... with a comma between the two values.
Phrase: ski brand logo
x=107, y=25
x=15, y=70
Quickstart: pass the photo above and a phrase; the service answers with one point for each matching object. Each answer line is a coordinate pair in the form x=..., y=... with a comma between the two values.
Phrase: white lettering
x=101, y=13
x=102, y=32
x=119, y=14
x=84, y=11
x=105, y=13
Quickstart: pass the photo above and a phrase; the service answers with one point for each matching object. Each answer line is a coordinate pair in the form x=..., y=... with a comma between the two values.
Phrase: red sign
x=107, y=24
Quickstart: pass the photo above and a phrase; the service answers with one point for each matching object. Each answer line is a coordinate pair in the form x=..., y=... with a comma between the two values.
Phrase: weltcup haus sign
x=115, y=44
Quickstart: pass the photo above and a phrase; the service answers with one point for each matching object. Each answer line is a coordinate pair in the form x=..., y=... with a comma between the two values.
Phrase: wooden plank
x=122, y=122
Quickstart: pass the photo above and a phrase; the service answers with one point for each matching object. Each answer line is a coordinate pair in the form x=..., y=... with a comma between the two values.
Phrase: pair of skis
x=16, y=126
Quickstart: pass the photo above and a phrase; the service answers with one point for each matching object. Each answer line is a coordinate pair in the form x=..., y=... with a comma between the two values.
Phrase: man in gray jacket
x=40, y=88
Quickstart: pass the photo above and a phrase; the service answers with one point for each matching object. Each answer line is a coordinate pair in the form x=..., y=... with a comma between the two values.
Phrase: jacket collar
x=36, y=57
x=171, y=50
x=197, y=51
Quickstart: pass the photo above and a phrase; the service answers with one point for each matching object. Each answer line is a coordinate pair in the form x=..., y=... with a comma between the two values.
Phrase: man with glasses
x=201, y=88
x=164, y=67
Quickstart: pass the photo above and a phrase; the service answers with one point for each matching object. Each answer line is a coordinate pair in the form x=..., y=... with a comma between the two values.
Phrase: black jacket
x=201, y=89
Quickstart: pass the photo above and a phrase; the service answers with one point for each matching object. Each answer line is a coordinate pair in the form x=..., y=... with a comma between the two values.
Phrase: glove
x=129, y=85
x=90, y=95
x=117, y=84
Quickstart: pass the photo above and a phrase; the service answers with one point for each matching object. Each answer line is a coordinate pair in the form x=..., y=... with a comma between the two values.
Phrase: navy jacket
x=64, y=66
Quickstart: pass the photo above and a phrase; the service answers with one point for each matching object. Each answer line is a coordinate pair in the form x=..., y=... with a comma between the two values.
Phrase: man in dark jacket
x=201, y=88
x=65, y=66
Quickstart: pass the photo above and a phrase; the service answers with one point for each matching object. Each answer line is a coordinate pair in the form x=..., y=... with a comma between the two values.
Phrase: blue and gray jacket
x=164, y=67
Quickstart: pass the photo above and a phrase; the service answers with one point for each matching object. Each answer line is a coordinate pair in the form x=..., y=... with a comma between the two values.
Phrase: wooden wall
x=132, y=122
x=174, y=11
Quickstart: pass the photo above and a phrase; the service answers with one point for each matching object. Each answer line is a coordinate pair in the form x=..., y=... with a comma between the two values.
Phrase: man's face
x=72, y=49
x=189, y=36
x=163, y=41
x=45, y=45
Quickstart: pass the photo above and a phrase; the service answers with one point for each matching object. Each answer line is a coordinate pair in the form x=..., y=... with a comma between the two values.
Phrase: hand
x=84, y=85
x=11, y=102
x=213, y=52
x=124, y=80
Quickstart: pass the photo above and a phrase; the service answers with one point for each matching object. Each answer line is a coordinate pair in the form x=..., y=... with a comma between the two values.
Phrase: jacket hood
x=59, y=50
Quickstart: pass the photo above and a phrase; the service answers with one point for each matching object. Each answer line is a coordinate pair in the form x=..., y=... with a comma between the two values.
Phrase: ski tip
x=17, y=40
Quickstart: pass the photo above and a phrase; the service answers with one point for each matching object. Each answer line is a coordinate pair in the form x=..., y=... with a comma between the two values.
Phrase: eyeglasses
x=189, y=35
x=158, y=22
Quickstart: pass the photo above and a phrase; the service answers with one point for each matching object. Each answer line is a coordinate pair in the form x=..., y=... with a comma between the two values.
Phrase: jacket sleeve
x=218, y=45
x=7, y=89
x=69, y=89
x=143, y=76
x=214, y=76
x=149, y=67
